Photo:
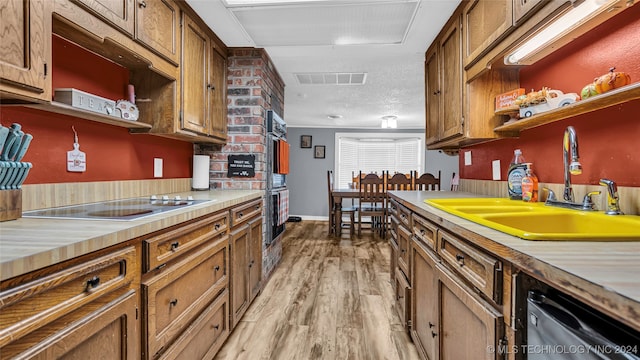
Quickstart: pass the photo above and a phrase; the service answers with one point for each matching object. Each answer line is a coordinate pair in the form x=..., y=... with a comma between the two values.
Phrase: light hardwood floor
x=329, y=298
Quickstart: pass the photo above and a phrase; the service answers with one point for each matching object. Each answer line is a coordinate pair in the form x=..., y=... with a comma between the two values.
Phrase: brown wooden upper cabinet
x=444, y=83
x=154, y=23
x=157, y=27
x=117, y=13
x=484, y=23
x=203, y=82
x=24, y=58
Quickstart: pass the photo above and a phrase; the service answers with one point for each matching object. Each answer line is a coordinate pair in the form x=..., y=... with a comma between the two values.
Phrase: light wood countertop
x=29, y=244
x=605, y=274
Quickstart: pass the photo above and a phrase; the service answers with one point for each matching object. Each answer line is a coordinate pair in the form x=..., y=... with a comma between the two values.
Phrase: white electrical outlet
x=467, y=158
x=157, y=167
x=495, y=168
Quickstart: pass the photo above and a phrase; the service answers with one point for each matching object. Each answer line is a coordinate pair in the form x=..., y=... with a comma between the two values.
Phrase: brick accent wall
x=253, y=87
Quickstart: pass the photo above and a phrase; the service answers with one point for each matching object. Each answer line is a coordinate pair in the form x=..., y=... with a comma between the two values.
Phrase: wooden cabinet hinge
x=45, y=70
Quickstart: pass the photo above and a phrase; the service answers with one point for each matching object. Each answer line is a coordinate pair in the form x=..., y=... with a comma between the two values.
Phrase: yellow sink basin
x=536, y=221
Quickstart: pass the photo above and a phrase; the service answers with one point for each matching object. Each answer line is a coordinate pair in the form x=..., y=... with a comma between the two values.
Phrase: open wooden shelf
x=60, y=108
x=608, y=99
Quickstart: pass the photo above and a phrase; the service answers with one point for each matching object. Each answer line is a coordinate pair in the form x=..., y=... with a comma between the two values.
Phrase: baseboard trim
x=312, y=218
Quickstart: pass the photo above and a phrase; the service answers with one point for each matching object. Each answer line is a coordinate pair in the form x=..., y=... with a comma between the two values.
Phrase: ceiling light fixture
x=557, y=32
x=389, y=122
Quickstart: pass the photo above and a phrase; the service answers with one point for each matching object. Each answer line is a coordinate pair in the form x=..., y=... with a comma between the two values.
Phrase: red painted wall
x=112, y=153
x=608, y=138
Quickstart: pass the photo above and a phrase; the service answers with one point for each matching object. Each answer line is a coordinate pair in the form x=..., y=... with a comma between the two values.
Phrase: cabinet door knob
x=142, y=4
x=174, y=245
x=173, y=302
x=216, y=327
x=216, y=226
x=460, y=259
x=430, y=325
x=93, y=282
x=240, y=215
x=217, y=268
x=433, y=334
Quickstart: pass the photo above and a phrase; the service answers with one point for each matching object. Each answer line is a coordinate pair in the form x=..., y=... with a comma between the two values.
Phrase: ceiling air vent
x=358, y=78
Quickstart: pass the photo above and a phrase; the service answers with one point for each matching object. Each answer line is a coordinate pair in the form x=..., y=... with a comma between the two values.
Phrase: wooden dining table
x=338, y=196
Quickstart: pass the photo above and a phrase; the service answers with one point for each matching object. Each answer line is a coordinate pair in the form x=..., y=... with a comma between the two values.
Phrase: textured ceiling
x=391, y=36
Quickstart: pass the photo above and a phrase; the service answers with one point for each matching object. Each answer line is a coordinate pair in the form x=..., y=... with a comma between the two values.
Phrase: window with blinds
x=375, y=152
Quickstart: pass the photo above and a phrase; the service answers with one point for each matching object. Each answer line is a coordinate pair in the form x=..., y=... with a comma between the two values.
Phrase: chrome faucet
x=570, y=145
x=613, y=206
x=571, y=167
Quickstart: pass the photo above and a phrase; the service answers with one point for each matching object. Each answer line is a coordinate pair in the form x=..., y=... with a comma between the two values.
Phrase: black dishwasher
x=560, y=327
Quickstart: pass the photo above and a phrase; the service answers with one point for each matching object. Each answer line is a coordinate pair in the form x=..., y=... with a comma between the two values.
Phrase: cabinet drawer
x=30, y=306
x=425, y=231
x=161, y=249
x=245, y=212
x=174, y=297
x=205, y=335
x=481, y=270
x=404, y=216
x=393, y=208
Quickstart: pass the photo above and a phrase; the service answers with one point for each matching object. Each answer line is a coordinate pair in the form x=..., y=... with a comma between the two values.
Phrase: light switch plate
x=495, y=168
x=467, y=158
x=157, y=167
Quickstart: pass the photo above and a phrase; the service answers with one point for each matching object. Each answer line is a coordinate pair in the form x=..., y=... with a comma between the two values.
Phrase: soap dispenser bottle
x=517, y=171
x=529, y=185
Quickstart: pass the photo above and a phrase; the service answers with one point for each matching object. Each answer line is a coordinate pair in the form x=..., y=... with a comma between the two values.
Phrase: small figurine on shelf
x=544, y=100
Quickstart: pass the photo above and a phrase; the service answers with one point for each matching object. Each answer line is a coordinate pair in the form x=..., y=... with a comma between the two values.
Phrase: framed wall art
x=318, y=151
x=305, y=141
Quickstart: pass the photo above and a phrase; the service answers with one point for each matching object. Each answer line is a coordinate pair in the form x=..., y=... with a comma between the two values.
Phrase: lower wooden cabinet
x=424, y=309
x=452, y=303
x=469, y=326
x=165, y=295
x=239, y=240
x=245, y=243
x=246, y=262
x=402, y=298
x=255, y=257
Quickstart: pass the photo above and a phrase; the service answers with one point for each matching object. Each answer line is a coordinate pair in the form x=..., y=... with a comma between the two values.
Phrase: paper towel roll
x=200, y=179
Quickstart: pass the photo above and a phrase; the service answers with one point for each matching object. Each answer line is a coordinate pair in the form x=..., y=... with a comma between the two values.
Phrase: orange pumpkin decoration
x=611, y=80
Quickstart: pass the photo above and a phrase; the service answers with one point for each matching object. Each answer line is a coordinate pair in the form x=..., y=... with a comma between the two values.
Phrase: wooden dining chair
x=399, y=181
x=349, y=210
x=427, y=182
x=372, y=202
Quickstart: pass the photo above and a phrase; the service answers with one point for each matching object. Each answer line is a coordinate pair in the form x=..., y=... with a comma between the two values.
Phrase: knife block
x=10, y=204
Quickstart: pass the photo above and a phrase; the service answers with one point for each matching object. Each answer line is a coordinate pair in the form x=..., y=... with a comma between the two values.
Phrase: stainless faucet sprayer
x=570, y=146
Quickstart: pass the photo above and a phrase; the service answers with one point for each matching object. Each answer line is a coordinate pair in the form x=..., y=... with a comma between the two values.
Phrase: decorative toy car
x=545, y=100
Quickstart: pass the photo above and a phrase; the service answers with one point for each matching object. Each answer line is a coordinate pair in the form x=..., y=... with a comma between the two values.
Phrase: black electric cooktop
x=118, y=210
